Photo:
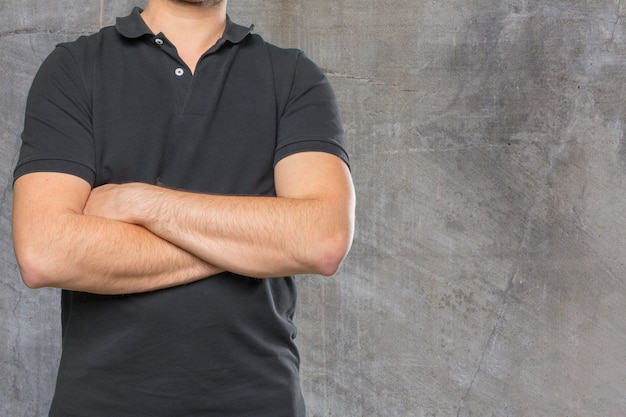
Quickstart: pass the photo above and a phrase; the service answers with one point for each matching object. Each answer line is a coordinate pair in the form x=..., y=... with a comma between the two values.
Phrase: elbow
x=31, y=280
x=32, y=271
x=31, y=277
x=330, y=253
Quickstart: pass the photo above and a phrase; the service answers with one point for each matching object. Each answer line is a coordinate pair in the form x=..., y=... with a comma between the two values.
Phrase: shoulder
x=288, y=64
x=65, y=58
x=76, y=55
x=90, y=44
x=281, y=57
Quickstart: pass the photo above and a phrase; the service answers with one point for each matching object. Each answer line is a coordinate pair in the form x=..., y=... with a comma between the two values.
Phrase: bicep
x=42, y=205
x=316, y=175
x=320, y=188
x=39, y=197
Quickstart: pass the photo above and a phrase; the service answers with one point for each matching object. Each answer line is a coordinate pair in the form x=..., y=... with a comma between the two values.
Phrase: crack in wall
x=40, y=31
x=616, y=22
x=371, y=81
x=498, y=323
x=490, y=340
x=101, y=17
x=6, y=199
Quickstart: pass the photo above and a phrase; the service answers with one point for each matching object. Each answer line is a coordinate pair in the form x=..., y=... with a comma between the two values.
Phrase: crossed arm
x=137, y=237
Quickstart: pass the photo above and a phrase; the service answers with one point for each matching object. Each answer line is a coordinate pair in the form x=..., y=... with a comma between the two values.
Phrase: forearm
x=98, y=255
x=253, y=236
x=306, y=229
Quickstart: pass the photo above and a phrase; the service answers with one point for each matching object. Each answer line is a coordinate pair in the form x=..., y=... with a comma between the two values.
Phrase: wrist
x=145, y=203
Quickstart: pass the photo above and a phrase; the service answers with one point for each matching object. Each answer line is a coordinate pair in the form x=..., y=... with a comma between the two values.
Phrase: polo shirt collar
x=133, y=26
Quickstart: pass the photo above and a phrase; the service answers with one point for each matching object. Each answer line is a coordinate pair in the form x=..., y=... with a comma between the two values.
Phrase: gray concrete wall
x=487, y=276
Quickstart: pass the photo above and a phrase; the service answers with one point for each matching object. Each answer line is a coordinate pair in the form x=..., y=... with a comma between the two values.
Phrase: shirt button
x=179, y=72
x=158, y=41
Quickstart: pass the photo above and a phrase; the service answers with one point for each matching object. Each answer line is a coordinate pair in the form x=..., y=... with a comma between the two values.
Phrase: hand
x=114, y=201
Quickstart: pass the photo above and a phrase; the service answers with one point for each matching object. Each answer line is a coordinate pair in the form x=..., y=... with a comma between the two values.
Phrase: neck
x=192, y=27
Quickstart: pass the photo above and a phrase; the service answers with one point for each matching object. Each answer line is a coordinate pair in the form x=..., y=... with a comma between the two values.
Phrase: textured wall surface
x=487, y=276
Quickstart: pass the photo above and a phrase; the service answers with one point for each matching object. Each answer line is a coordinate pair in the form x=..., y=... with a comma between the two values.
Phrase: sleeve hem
x=311, y=145
x=55, y=165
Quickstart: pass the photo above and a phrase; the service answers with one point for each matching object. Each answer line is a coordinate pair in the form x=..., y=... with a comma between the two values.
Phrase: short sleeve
x=310, y=120
x=58, y=128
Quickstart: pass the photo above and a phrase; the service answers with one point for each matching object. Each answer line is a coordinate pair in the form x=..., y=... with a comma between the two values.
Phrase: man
x=169, y=165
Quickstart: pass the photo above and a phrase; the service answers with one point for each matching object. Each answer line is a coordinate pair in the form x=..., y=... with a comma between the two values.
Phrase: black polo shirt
x=121, y=106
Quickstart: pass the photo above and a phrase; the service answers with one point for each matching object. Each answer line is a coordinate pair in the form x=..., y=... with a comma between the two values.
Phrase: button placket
x=180, y=76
